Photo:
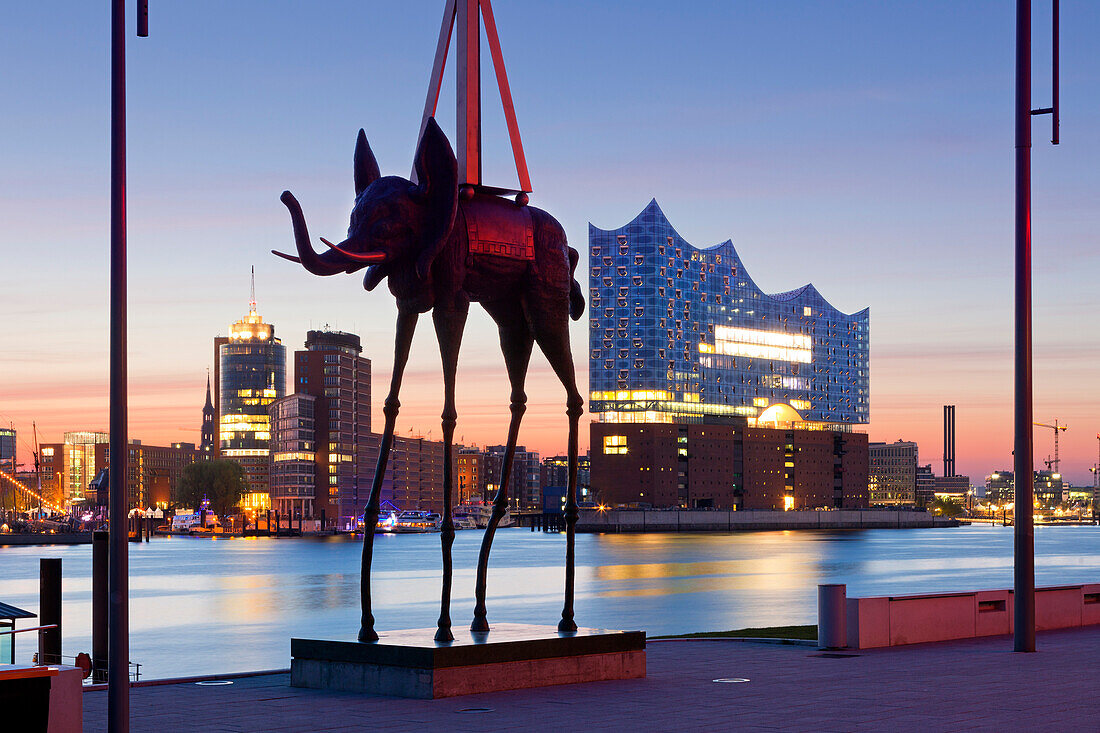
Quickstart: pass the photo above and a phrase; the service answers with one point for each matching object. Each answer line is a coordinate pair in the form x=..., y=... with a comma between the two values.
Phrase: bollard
x=49, y=609
x=832, y=616
x=99, y=605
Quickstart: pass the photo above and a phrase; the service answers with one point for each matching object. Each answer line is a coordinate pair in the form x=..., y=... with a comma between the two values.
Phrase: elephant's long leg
x=449, y=325
x=406, y=325
x=515, y=341
x=551, y=326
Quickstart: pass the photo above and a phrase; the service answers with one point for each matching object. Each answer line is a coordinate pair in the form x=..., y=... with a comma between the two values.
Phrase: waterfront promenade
x=963, y=685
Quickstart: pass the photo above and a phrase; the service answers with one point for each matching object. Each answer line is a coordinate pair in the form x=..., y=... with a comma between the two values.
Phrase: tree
x=946, y=507
x=221, y=481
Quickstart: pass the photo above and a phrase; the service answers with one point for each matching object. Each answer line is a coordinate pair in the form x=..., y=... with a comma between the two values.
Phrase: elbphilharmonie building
x=680, y=334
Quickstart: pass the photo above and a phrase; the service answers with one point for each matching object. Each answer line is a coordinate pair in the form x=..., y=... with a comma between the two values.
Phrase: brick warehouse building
x=728, y=466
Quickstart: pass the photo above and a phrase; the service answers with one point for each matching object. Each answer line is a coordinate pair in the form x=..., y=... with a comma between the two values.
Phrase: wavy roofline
x=808, y=290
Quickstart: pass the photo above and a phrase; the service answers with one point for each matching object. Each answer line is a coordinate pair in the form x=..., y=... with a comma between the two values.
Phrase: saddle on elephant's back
x=498, y=227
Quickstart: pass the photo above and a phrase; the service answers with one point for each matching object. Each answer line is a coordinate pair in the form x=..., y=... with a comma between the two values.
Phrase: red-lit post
x=118, y=591
x=1024, y=570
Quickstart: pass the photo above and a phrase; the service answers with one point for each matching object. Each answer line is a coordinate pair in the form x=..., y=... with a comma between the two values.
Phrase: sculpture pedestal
x=512, y=656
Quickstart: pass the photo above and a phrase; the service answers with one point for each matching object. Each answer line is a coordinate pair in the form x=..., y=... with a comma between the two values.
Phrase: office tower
x=332, y=370
x=251, y=375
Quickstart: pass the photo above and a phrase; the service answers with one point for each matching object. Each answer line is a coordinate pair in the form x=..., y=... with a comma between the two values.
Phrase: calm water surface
x=205, y=606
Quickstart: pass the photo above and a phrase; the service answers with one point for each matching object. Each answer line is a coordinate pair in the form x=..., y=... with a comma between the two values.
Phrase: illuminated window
x=614, y=445
x=788, y=503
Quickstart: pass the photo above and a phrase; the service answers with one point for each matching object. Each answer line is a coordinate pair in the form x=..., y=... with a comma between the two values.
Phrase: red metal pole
x=118, y=622
x=1024, y=571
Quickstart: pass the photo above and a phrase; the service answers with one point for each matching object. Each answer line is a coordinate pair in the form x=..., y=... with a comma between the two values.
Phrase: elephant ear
x=366, y=166
x=437, y=174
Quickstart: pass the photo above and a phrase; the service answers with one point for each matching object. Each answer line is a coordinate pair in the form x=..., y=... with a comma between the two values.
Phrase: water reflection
x=217, y=606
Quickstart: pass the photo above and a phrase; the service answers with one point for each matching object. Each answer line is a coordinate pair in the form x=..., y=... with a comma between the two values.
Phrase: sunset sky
x=864, y=146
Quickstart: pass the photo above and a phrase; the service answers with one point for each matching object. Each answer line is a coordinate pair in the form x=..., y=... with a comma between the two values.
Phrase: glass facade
x=293, y=455
x=252, y=374
x=7, y=445
x=81, y=464
x=680, y=334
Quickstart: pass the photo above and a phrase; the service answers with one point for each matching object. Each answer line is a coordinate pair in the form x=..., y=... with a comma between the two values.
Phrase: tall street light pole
x=1024, y=569
x=118, y=621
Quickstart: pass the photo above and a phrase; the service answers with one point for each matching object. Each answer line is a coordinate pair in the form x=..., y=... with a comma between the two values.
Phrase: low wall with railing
x=897, y=620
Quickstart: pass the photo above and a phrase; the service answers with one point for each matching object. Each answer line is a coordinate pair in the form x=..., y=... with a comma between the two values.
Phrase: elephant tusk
x=369, y=257
x=285, y=256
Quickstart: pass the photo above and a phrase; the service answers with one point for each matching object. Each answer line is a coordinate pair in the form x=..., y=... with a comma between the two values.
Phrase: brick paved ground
x=970, y=685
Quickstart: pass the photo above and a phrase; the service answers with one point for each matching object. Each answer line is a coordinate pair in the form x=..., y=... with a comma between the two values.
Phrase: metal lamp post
x=118, y=622
x=1024, y=570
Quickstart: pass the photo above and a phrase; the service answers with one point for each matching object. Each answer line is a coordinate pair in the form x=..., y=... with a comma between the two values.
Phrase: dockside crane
x=1055, y=427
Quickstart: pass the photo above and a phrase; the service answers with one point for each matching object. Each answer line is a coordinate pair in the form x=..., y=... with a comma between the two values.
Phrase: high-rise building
x=251, y=375
x=679, y=334
x=332, y=369
x=208, y=444
x=892, y=478
x=294, y=456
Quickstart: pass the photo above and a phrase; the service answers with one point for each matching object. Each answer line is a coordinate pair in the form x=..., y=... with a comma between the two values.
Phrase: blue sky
x=865, y=146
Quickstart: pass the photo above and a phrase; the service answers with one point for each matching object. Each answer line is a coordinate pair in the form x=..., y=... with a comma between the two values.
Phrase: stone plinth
x=512, y=656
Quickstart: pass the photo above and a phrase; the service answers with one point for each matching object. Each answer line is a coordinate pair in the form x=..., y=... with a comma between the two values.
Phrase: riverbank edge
x=711, y=520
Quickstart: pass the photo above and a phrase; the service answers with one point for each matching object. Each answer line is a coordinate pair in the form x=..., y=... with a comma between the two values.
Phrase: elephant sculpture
x=440, y=248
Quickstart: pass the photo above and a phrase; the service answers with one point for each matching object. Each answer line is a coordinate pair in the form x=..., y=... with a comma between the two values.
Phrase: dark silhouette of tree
x=221, y=481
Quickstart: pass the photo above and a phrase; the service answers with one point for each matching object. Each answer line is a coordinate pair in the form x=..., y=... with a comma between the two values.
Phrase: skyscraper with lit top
x=251, y=375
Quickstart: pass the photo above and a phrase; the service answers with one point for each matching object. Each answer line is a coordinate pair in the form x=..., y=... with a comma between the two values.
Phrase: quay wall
x=708, y=520
x=41, y=538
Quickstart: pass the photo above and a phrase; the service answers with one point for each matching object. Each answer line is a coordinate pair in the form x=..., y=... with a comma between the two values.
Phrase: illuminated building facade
x=7, y=448
x=683, y=335
x=333, y=370
x=727, y=466
x=293, y=474
x=893, y=474
x=154, y=471
x=555, y=473
x=525, y=483
x=469, y=475
x=251, y=375
x=84, y=455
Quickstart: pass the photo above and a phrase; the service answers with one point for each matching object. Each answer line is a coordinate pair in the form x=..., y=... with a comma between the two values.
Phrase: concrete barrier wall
x=897, y=620
x=706, y=520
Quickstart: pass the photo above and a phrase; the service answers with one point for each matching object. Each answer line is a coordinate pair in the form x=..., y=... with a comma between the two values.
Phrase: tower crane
x=1055, y=427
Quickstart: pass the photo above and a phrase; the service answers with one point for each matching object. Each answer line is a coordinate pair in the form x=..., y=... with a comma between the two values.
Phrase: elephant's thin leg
x=551, y=326
x=449, y=324
x=406, y=325
x=515, y=341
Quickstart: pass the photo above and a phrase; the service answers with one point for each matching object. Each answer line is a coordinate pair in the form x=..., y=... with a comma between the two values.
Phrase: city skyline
x=888, y=147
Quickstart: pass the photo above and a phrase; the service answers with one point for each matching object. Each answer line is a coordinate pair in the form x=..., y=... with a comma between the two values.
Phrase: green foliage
x=946, y=507
x=221, y=481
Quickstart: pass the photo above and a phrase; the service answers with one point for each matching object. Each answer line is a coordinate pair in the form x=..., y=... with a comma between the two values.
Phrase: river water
x=200, y=605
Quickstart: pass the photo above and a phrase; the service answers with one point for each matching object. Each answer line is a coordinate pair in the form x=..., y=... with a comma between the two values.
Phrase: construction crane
x=1055, y=427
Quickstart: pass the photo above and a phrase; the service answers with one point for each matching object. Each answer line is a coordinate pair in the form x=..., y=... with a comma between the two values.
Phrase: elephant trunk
x=328, y=263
